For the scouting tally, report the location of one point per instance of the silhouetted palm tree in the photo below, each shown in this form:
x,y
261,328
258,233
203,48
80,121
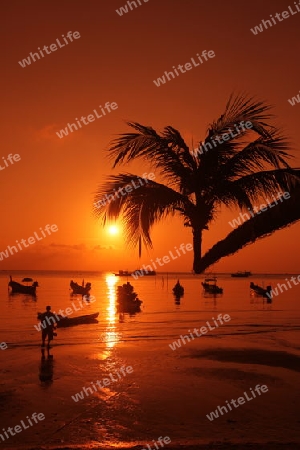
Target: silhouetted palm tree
x,y
278,216
195,182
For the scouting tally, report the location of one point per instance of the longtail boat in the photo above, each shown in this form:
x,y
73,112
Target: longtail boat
x,y
210,286
122,273
18,288
81,290
241,274
178,290
63,322
127,299
260,290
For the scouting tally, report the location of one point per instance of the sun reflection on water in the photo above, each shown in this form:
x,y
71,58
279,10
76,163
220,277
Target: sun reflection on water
x,y
112,336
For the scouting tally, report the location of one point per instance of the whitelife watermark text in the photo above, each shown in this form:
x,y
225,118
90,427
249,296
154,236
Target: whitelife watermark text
x,y
11,158
286,286
31,240
292,101
160,441
241,401
18,428
101,384
64,313
214,142
203,330
52,47
183,68
124,9
109,106
165,260
259,209
265,24
128,188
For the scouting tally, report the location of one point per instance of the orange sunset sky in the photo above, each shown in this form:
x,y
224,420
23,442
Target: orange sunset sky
x,y
116,59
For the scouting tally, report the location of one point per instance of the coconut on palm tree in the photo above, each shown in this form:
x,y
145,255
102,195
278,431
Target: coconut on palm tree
x,y
236,169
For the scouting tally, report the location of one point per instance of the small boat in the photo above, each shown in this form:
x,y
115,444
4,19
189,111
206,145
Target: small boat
x,y
127,299
241,274
81,290
18,288
123,273
79,320
63,322
210,286
260,290
178,290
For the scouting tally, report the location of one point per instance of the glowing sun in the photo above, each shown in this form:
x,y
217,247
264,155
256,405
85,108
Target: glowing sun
x,y
113,230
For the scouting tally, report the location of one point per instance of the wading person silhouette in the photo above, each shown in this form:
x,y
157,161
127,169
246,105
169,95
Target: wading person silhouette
x,y
48,321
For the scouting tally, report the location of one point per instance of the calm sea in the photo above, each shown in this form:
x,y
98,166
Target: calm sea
x,y
161,316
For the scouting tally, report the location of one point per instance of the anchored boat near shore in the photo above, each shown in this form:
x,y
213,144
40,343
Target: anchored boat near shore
x,y
210,286
123,273
260,290
18,288
139,272
127,299
63,322
178,290
241,274
81,290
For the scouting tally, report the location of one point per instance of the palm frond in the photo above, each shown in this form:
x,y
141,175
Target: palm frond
x,y
270,150
141,208
168,154
129,146
236,172
266,183
242,108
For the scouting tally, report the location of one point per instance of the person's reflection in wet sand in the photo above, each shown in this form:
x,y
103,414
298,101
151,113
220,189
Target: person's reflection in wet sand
x,y
46,368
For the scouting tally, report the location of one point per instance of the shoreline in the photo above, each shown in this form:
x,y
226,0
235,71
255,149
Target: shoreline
x,y
131,412
205,446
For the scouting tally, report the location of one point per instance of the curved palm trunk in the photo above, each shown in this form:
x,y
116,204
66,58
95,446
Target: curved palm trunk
x,y
197,245
279,216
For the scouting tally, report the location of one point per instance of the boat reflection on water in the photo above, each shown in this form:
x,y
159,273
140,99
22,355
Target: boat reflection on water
x,y
114,317
211,292
177,301
209,295
210,301
178,292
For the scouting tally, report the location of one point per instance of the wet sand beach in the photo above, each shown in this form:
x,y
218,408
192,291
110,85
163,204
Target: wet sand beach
x,y
169,392
158,246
